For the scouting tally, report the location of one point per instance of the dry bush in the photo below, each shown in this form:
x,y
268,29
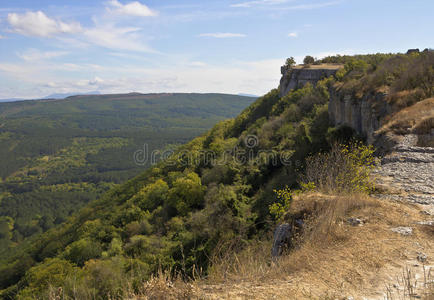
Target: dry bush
x,y
345,169
424,126
405,98
252,263
418,118
164,286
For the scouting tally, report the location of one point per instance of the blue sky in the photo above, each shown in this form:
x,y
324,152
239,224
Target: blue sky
x,y
228,46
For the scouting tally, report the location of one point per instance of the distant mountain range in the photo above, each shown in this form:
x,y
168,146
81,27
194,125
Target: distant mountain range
x,y
66,95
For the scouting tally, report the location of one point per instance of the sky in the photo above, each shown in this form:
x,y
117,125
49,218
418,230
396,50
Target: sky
x,y
225,46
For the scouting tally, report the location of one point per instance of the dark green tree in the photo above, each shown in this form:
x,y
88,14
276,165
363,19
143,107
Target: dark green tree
x,y
308,60
290,61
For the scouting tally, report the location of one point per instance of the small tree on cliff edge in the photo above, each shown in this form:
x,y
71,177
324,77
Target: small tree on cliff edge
x,y
290,62
308,60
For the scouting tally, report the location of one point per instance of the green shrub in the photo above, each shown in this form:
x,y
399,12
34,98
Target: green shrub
x,y
283,203
52,272
82,250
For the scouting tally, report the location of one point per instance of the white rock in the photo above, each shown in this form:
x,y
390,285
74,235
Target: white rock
x,y
403,230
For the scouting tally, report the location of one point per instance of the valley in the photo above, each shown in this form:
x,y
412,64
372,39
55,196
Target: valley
x,y
58,155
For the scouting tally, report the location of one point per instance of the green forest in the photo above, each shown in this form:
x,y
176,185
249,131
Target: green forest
x,y
58,155
187,209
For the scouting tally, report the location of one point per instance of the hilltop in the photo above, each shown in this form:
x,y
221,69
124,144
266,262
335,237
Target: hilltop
x,y
209,211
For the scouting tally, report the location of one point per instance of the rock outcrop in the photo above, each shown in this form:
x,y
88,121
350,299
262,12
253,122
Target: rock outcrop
x,y
298,76
281,240
408,173
363,115
366,114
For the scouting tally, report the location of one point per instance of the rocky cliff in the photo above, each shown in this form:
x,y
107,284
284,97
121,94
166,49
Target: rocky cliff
x,y
298,76
364,115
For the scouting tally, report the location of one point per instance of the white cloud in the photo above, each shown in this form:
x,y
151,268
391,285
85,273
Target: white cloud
x,y
222,35
109,35
34,55
258,2
37,80
131,9
293,34
38,24
112,37
311,5
2,37
96,81
198,64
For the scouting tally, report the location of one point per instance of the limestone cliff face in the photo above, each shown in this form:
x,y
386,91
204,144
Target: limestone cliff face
x,y
297,77
363,115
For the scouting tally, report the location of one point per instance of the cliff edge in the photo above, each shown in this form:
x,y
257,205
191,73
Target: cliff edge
x,y
297,76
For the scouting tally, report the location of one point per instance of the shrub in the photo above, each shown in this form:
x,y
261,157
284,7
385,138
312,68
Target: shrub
x,y
290,61
345,169
284,199
308,60
53,271
82,250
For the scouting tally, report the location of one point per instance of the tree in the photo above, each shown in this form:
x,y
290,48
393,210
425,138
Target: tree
x,y
308,60
290,62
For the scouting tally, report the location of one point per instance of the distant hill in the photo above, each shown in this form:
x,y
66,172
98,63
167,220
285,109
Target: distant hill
x,y
57,155
248,95
11,100
64,95
52,96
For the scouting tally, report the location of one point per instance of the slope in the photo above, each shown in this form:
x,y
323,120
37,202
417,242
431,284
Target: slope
x,y
57,155
214,195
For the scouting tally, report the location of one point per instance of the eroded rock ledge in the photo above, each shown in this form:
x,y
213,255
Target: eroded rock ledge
x,y
298,76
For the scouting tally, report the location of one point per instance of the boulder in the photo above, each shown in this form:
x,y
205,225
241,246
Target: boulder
x,y
281,240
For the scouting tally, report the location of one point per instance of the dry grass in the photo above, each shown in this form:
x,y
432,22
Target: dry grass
x,y
320,66
162,286
418,118
332,258
404,98
409,287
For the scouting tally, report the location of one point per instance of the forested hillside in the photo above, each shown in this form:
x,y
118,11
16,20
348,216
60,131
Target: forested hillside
x,y
57,155
215,193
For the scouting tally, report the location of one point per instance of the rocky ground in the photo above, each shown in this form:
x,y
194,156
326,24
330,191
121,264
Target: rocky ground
x,y
407,174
